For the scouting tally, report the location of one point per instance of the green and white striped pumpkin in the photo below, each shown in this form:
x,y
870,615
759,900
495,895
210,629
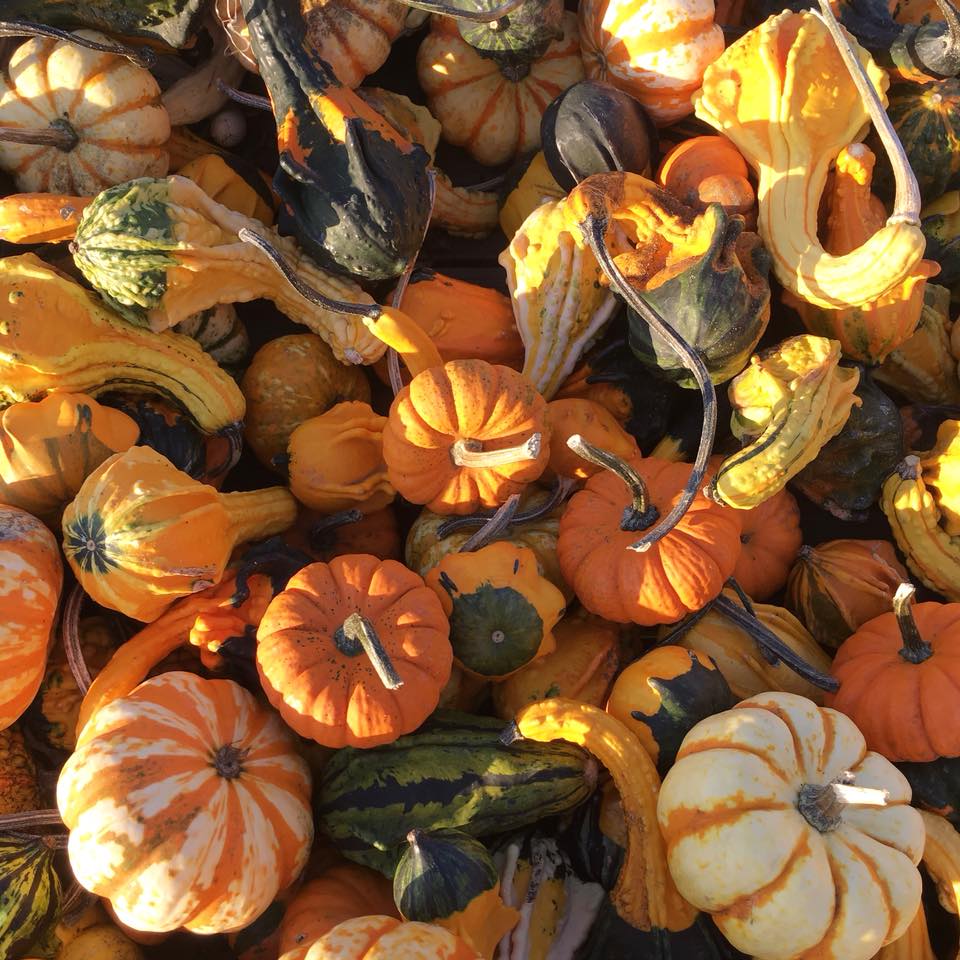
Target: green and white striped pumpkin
x,y
29,896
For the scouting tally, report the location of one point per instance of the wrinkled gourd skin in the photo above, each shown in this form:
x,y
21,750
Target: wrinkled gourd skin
x,y
787,404
941,473
783,95
354,192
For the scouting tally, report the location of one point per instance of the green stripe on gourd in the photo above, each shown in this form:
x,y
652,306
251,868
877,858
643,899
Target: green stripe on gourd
x,y
29,895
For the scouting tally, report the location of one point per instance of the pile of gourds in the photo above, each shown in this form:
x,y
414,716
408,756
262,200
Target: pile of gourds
x,y
606,608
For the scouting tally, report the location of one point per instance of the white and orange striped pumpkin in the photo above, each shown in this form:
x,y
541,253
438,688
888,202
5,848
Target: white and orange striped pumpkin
x,y
655,50
31,575
109,106
187,804
493,111
380,938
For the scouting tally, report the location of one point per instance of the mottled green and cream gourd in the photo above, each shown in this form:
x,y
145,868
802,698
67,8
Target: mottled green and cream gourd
x,y
29,896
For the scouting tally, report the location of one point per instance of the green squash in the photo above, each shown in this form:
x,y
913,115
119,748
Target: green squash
x,y
453,772
441,873
717,299
29,897
519,37
936,786
353,192
595,128
846,477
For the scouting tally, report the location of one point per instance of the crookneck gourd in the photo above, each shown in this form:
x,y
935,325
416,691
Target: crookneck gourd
x,y
787,404
791,94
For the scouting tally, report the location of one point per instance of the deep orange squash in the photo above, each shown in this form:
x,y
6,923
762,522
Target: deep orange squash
x,y
770,537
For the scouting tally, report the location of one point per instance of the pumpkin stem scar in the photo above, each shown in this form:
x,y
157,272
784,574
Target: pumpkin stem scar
x,y
59,134
143,56
357,635
228,761
822,805
470,453
915,649
495,527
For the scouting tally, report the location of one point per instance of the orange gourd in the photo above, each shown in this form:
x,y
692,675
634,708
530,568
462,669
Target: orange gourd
x,y
376,937
595,424
40,217
770,537
354,652
705,170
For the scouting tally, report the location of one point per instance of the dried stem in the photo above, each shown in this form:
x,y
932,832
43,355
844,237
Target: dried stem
x,y
143,57
915,649
495,527
470,453
70,635
358,635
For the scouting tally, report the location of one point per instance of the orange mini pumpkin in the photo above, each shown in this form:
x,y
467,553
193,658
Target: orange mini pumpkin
x,y
465,435
354,652
899,675
597,424
677,575
377,938
770,538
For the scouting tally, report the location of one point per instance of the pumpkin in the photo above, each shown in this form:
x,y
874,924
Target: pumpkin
x,y
48,448
75,120
221,333
31,576
602,523
595,128
585,661
221,182
657,52
40,217
502,611
341,892
787,404
742,656
516,37
837,586
348,531
248,796
590,421
936,786
663,695
336,460
101,940
30,893
770,537
93,350
535,186
354,652
493,110
141,533
868,333
463,435
447,878
846,476
893,660
366,938
19,790
840,842
289,380
705,170
784,89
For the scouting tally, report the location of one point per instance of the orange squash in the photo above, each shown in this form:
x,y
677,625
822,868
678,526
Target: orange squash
x,y
40,217
592,422
770,537
375,937
705,170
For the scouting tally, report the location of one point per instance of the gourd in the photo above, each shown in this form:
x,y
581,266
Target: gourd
x,y
663,695
40,217
343,891
236,757
31,576
101,940
463,435
349,531
657,52
75,120
870,332
770,538
47,449
502,611
940,224
354,652
30,893
840,842
585,661
837,586
95,350
598,537
848,472
940,473
903,661
590,421
354,192
367,801
336,460
535,186
364,938
705,170
141,533
787,404
783,89
224,184
936,786
493,110
221,334
518,37
289,380
19,790
447,878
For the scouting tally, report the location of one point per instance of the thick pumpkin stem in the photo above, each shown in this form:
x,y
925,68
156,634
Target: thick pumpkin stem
x,y
470,453
915,649
70,635
59,134
495,526
822,805
257,514
641,513
143,57
357,636
906,204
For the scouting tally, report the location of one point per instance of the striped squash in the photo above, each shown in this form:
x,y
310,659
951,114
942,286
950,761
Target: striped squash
x,y
187,806
453,773
655,50
220,332
29,894
31,575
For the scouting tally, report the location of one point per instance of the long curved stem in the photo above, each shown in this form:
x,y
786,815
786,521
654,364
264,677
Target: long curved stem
x,y
915,649
143,57
470,453
474,16
70,635
906,204
595,231
494,527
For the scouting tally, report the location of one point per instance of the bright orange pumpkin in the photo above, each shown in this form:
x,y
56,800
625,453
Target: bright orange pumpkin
x,y
770,537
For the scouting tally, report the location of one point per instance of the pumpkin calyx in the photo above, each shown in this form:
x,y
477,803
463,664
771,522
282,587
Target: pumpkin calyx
x,y
228,761
640,514
355,636
470,453
822,805
915,649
